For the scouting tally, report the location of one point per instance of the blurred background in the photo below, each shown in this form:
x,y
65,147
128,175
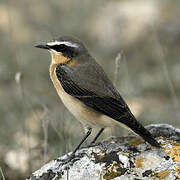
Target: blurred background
x,y
137,43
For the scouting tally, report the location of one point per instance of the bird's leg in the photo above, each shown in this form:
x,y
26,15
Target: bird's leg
x,y
85,137
98,134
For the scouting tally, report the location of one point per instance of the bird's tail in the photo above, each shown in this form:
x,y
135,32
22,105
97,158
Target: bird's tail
x,y
133,124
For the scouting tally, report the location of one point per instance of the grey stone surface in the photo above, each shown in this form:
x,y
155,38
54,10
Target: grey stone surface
x,y
120,159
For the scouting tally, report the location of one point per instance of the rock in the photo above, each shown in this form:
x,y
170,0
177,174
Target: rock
x,y
124,158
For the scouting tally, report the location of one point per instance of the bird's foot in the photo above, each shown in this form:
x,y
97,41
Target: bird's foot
x,y
72,158
68,159
92,144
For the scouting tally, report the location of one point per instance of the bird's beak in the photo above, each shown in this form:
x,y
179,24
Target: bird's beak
x,y
43,46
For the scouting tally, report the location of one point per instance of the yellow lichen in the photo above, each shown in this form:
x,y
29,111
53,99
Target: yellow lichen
x,y
162,174
112,172
101,156
178,172
135,141
139,161
174,152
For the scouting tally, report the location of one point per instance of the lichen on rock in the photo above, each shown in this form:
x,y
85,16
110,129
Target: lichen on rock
x,y
121,159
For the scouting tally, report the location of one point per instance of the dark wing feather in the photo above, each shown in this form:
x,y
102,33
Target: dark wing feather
x,y
108,105
114,107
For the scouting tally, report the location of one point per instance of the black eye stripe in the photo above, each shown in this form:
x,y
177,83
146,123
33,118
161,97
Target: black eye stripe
x,y
62,46
59,48
67,51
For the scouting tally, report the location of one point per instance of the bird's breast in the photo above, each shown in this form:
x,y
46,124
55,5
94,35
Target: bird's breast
x,y
84,114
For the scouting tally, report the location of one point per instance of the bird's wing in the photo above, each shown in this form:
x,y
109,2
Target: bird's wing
x,y
106,101
101,99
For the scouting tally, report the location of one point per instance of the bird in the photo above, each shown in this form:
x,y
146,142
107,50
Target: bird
x,y
87,92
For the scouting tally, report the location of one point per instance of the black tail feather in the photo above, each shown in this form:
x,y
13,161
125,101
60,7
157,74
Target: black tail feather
x,y
133,124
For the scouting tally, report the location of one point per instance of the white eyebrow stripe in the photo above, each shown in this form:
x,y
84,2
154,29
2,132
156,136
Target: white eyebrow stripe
x,y
62,42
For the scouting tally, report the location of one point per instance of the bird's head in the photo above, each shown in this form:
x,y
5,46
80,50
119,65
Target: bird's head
x,y
64,50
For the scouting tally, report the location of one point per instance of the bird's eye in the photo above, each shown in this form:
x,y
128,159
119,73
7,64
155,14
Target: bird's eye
x,y
62,46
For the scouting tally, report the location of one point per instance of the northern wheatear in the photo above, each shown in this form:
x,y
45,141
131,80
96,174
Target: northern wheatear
x,y
87,92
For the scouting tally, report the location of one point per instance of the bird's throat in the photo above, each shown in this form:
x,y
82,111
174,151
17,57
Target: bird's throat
x,y
58,58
